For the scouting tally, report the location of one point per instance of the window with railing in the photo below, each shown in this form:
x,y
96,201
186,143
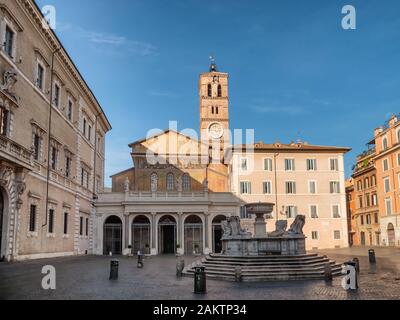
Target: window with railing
x,y
4,121
9,42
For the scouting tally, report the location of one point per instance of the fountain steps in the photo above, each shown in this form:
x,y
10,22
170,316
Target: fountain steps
x,y
267,268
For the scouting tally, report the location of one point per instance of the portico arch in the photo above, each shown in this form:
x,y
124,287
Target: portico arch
x,y
112,236
141,229
167,234
193,234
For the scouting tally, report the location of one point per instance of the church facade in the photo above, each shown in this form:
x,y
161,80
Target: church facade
x,y
179,189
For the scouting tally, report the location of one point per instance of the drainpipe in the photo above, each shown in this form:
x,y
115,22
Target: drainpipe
x,y
49,136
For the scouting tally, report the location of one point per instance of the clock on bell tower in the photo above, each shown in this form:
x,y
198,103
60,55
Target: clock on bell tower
x,y
214,107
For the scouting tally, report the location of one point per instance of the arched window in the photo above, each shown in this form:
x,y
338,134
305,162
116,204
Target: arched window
x,y
384,143
216,110
398,135
154,182
212,110
186,182
219,91
209,90
170,182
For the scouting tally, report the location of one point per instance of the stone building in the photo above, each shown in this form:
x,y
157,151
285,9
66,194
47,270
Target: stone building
x,y
181,188
298,178
387,164
51,141
366,215
351,209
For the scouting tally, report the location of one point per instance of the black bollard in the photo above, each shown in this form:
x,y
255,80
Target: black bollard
x,y
200,282
328,272
114,269
371,255
357,262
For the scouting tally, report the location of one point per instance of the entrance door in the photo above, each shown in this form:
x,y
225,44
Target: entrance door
x,y
391,235
167,239
167,235
217,233
362,238
193,235
1,223
112,236
141,235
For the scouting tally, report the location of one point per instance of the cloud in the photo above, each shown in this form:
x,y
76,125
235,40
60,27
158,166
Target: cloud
x,y
288,110
109,42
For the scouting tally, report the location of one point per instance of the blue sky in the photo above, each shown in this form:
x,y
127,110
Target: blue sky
x,y
294,72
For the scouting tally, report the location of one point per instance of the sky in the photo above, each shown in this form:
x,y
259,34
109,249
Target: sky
x,y
295,73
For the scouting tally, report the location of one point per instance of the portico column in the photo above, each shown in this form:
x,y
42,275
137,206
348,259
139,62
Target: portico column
x,y
126,215
206,248
153,233
181,250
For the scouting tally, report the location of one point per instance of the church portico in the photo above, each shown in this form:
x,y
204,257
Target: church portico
x,y
161,224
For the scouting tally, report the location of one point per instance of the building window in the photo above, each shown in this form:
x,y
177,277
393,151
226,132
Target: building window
x,y
9,42
170,182
245,187
85,178
219,91
56,100
268,164
388,205
398,159
289,165
209,90
244,214
385,164
314,235
81,226
334,187
311,164
267,187
314,211
359,185
376,217
334,164
367,200
360,202
336,235
65,222
290,187
69,111
89,133
51,221
312,186
154,182
54,155
374,199
32,219
291,212
384,143
87,227
366,183
243,164
362,220
369,219
216,110
3,121
68,162
186,182
36,147
84,127
398,135
373,180
386,182
336,211
40,76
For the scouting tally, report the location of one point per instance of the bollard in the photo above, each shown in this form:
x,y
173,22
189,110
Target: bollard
x,y
140,260
328,272
180,265
200,282
238,274
357,262
371,255
114,269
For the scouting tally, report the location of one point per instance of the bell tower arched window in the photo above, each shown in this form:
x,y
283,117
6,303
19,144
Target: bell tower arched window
x,y
209,90
219,91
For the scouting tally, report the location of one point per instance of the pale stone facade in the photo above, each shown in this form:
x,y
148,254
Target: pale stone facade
x,y
50,160
299,179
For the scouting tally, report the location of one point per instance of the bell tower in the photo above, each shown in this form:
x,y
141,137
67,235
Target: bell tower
x,y
214,107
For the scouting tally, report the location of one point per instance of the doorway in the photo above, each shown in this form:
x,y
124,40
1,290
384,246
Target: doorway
x,y
1,224
141,235
217,233
391,235
112,236
363,238
193,235
167,235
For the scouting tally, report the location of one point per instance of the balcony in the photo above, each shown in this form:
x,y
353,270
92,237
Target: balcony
x,y
13,152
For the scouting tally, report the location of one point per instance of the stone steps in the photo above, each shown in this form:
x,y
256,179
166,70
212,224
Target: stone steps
x,y
268,268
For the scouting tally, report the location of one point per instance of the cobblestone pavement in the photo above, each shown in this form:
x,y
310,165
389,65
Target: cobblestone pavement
x,y
87,278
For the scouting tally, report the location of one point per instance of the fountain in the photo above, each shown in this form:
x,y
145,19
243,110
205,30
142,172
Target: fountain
x,y
236,242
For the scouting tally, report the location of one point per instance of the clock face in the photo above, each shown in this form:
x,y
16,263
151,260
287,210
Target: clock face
x,y
216,131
